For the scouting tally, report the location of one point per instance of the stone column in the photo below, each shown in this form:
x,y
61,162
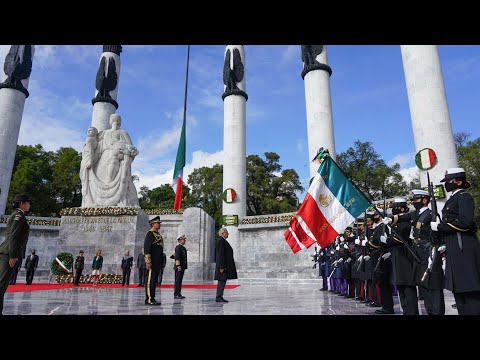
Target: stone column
x,y
429,109
316,75
13,92
106,84
234,139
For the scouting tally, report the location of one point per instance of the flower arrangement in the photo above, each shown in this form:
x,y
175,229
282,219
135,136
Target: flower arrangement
x,y
100,211
88,279
66,259
267,219
52,222
163,211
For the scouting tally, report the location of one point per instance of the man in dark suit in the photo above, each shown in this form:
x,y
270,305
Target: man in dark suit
x,y
225,264
153,249
16,268
127,263
142,274
30,266
180,266
16,237
78,266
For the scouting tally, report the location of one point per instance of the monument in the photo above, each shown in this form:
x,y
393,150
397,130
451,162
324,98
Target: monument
x,y
316,75
13,93
427,99
234,140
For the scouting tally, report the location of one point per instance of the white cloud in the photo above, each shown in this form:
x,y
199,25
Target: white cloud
x,y
199,159
45,56
403,159
48,119
409,173
300,145
290,53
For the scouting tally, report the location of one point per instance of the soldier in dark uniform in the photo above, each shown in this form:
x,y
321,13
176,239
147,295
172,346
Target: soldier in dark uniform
x,y
402,259
16,268
324,267
358,264
153,250
458,231
16,237
350,259
180,266
382,271
78,265
371,259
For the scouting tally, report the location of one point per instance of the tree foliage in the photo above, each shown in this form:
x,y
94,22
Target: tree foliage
x,y
370,173
161,197
268,191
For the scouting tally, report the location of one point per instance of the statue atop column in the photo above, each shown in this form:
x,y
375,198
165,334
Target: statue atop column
x,y
106,165
18,67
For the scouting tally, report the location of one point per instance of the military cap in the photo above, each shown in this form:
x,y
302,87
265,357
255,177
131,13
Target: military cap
x,y
182,237
454,173
420,194
156,219
370,216
349,229
21,198
399,200
81,251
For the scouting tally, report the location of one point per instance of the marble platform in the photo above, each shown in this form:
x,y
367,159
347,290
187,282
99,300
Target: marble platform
x,y
250,298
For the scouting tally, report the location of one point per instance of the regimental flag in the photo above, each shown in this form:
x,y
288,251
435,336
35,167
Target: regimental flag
x,y
178,171
332,203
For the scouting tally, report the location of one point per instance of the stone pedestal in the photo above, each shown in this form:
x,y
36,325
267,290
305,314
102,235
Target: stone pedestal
x,y
112,234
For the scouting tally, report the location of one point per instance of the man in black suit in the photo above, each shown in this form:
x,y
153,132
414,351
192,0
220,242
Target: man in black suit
x,y
225,264
180,266
31,265
142,274
127,263
78,265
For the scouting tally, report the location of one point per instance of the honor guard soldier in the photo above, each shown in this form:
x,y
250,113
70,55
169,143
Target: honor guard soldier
x,y
432,285
402,259
458,231
153,250
16,237
180,266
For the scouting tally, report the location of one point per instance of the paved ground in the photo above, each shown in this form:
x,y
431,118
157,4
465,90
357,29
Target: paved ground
x,y
250,298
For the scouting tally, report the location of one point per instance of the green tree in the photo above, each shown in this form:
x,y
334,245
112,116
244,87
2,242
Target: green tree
x,y
269,192
206,191
469,159
66,178
370,173
161,197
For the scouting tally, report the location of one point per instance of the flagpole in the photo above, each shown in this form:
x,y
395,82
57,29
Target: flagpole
x,y
186,86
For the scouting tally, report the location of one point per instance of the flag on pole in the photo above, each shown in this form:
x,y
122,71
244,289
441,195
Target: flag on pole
x,y
332,203
180,161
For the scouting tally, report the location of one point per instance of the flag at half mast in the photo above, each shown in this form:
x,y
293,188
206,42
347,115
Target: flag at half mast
x,y
180,161
332,203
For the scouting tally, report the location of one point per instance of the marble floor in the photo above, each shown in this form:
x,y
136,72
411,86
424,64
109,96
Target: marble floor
x,y
250,298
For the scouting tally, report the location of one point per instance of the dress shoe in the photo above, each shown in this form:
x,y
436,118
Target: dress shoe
x,y
179,297
323,289
221,299
383,311
152,303
454,306
139,285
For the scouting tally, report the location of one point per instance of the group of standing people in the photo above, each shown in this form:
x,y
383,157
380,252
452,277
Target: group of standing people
x,y
411,250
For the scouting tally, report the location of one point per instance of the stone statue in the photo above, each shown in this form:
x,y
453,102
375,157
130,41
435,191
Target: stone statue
x,y
106,167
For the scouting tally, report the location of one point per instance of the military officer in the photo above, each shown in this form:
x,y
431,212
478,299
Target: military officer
x,y
458,230
153,250
180,266
16,237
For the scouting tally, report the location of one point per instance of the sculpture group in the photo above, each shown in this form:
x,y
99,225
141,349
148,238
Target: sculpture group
x,y
105,170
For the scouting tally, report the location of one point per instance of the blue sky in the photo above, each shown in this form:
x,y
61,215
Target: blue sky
x,y
369,101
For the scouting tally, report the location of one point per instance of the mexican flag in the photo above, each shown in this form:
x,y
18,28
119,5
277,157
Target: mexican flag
x,y
332,203
426,159
178,171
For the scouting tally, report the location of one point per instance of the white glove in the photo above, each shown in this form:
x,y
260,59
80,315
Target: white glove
x,y
387,221
434,225
340,260
360,258
430,262
321,253
337,248
357,241
334,263
332,252
342,238
443,264
442,249
383,239
367,257
345,246
386,255
364,242
348,260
